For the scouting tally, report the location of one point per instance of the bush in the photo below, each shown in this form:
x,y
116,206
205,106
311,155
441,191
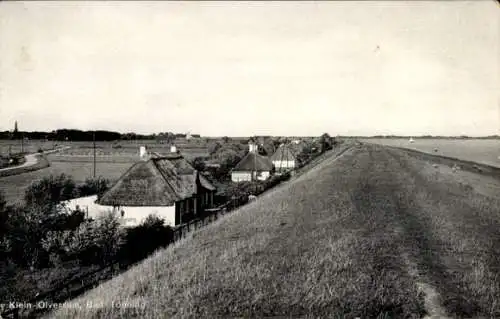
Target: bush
x,y
199,164
26,227
49,191
144,239
57,244
93,242
93,186
237,194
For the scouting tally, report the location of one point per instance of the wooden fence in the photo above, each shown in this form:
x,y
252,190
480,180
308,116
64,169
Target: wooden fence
x,y
210,216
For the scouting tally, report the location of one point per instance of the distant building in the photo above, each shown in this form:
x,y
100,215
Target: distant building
x,y
167,186
253,166
284,159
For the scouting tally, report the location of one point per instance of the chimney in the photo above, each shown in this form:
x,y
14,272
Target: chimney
x,y
173,149
252,147
143,153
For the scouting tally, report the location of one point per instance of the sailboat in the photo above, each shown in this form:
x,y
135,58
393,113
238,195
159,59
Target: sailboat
x,y
412,140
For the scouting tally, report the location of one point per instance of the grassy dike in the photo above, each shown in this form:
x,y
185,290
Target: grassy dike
x,y
374,233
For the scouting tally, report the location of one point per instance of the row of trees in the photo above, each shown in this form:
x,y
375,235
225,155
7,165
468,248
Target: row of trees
x,y
100,135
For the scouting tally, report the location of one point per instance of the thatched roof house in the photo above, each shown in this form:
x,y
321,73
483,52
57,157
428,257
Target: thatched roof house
x,y
168,185
284,158
254,162
283,153
160,181
252,166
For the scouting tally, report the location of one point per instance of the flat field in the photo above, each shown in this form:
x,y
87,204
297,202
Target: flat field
x,y
30,146
14,186
375,233
485,151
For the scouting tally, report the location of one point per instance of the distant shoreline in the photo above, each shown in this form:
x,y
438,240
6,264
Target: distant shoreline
x,y
388,137
427,137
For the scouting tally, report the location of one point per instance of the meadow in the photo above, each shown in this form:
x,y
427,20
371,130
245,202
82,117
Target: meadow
x,y
484,151
375,233
28,146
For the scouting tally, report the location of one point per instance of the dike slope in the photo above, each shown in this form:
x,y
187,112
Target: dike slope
x,y
373,233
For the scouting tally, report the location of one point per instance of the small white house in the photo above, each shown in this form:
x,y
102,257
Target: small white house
x,y
252,167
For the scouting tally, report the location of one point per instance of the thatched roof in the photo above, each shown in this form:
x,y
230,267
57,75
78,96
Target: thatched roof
x,y
283,153
159,181
254,162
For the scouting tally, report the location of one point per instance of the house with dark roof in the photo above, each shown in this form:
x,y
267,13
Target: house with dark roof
x,y
252,166
167,186
284,159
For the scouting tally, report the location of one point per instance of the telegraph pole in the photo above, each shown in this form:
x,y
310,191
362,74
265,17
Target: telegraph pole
x,y
93,139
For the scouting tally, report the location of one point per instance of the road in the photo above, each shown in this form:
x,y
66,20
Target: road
x,y
32,159
373,231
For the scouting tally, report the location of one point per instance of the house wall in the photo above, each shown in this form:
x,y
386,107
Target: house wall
x,y
133,216
262,176
284,164
247,176
86,204
241,176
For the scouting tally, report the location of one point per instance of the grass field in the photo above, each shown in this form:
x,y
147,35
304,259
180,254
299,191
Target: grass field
x,y
13,186
15,146
375,233
485,151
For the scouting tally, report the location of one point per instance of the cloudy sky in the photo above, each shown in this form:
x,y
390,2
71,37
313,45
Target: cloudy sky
x,y
245,68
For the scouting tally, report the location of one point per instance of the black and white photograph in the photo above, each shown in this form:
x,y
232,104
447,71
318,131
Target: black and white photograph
x,y
250,159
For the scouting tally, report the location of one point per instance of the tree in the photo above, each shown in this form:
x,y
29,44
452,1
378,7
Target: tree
x,y
199,164
325,142
93,186
48,192
213,147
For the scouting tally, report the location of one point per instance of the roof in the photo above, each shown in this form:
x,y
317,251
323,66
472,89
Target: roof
x,y
283,153
159,181
254,162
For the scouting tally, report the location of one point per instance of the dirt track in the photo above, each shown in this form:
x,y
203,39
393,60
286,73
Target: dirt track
x,y
31,160
376,231
442,226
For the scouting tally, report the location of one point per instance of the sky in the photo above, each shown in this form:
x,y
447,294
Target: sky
x,y
252,68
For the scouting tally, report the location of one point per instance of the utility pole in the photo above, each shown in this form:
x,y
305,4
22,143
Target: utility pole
x,y
93,138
